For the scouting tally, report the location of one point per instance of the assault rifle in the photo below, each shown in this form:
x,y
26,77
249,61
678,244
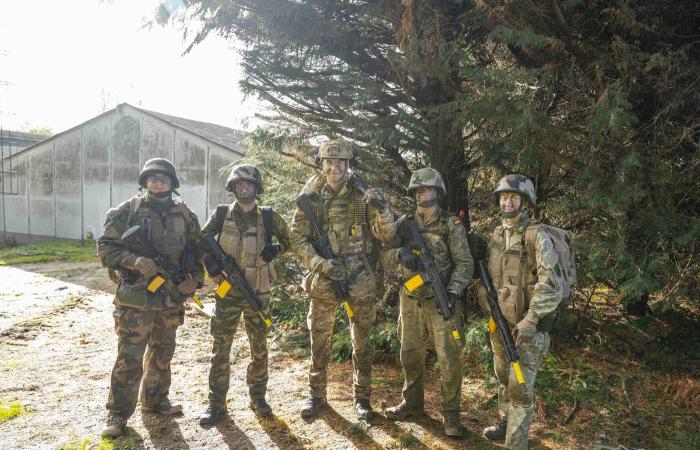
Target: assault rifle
x,y
498,323
323,247
431,274
234,277
137,237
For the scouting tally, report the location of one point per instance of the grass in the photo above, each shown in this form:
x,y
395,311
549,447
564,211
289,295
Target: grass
x,y
128,441
69,251
9,410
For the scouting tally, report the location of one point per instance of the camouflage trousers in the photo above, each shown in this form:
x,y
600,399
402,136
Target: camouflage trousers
x,y
516,403
151,332
421,322
223,329
320,321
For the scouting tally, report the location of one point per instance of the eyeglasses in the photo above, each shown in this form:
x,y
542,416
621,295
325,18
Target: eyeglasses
x,y
158,178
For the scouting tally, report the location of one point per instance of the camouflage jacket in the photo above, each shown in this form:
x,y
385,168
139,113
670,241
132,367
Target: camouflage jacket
x,y
446,239
171,233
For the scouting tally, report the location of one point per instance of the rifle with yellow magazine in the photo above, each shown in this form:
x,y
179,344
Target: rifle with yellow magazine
x,y
136,238
219,263
430,274
497,323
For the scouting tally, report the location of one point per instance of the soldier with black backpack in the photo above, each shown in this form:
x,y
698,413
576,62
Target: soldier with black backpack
x,y
245,232
531,266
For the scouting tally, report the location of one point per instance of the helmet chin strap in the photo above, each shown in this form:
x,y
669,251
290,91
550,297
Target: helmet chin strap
x,y
428,203
160,195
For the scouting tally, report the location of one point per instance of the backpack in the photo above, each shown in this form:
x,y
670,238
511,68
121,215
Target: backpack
x,y
564,248
268,223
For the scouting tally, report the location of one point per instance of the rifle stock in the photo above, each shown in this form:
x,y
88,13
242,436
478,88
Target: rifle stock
x,y
497,323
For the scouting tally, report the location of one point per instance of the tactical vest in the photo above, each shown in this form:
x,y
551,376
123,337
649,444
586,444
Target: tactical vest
x,y
513,270
168,231
245,247
436,237
345,220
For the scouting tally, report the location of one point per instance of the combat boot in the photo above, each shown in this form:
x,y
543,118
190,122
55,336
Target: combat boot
x,y
312,406
164,408
212,415
496,432
114,426
402,411
260,407
364,410
453,427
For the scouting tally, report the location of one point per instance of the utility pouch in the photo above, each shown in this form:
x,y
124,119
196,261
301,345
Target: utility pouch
x,y
512,303
132,295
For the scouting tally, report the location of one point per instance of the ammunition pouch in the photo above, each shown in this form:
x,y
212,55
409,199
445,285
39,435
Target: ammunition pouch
x,y
132,294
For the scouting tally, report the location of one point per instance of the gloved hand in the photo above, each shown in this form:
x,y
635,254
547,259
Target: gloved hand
x,y
218,279
332,269
523,330
146,267
376,198
269,252
454,300
409,259
188,286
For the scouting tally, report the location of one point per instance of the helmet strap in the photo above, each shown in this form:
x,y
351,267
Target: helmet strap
x,y
246,199
160,195
427,203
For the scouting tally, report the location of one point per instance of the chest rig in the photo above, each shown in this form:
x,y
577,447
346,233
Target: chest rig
x,y
513,268
167,229
436,238
245,246
344,217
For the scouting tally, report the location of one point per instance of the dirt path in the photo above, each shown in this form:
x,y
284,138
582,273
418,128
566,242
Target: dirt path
x,y
57,348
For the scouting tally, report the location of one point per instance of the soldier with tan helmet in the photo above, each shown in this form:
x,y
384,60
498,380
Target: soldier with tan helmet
x,y
524,268
355,219
419,318
245,232
146,318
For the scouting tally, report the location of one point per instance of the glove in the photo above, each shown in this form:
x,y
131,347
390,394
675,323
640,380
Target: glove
x,y
375,198
454,300
269,252
146,267
409,259
524,330
332,269
218,279
188,286
212,265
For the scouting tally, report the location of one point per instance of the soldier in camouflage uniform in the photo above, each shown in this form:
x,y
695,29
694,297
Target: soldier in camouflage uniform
x,y
354,228
524,268
245,236
419,318
145,321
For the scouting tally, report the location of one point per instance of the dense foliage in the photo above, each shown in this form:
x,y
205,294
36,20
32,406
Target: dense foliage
x,y
596,101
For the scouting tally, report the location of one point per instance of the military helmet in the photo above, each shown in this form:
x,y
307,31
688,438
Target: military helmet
x,y
426,177
159,165
336,149
516,183
245,172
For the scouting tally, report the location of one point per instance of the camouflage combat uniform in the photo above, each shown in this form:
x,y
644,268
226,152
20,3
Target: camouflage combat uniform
x,y
243,237
146,322
420,319
532,289
355,246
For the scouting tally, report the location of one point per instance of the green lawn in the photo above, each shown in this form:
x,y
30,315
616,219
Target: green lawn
x,y
49,251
